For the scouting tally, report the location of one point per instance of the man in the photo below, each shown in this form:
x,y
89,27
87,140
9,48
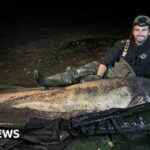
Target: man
x,y
128,57
138,53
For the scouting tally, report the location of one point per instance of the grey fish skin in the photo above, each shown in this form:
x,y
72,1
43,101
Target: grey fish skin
x,y
77,99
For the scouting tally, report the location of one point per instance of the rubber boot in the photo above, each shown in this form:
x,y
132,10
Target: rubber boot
x,y
57,80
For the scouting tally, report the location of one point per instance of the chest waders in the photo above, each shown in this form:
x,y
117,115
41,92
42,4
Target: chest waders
x,y
121,69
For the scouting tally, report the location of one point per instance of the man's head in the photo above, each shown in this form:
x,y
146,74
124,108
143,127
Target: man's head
x,y
141,29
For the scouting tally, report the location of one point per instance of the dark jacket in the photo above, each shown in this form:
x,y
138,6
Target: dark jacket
x,y
137,56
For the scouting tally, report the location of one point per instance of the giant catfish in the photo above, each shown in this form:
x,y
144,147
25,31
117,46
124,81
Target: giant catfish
x,y
76,99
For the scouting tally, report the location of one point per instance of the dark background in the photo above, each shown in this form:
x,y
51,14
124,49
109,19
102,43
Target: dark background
x,y
65,13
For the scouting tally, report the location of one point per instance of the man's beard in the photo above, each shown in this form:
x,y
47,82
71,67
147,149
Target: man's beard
x,y
140,39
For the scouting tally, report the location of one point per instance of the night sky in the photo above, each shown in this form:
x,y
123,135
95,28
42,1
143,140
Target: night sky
x,y
87,12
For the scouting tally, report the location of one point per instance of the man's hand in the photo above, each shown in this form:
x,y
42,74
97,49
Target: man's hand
x,y
101,70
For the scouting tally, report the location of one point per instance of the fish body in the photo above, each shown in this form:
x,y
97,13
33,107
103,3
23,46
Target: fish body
x,y
93,96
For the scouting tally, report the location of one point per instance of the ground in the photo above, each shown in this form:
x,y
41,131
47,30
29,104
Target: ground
x,y
25,46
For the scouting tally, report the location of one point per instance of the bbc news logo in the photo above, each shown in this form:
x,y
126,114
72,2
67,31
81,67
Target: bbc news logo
x,y
9,134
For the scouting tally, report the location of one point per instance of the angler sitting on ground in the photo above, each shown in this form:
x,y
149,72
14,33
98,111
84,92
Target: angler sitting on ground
x,y
129,57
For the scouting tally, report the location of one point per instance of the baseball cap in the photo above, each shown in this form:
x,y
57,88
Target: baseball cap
x,y
142,20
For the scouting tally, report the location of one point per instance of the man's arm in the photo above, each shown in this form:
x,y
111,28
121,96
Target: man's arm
x,y
110,58
101,70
